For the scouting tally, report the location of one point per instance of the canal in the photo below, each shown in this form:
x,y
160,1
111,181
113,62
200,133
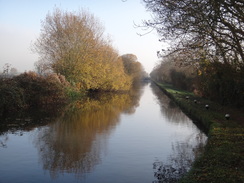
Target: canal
x,y
134,138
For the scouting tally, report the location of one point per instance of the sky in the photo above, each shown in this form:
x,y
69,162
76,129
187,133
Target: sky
x,y
20,25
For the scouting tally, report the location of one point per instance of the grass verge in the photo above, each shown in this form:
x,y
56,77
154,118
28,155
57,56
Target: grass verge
x,y
223,158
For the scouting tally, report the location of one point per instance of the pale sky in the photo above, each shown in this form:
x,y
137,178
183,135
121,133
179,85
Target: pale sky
x,y
20,24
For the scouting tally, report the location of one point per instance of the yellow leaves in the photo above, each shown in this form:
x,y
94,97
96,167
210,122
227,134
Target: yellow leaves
x,y
74,45
199,72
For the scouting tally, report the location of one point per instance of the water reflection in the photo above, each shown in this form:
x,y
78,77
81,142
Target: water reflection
x,y
3,140
168,108
76,142
180,161
72,145
184,151
29,120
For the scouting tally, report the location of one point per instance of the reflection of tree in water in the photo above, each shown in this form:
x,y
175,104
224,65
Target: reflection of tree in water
x,y
183,152
135,95
168,108
74,143
29,119
26,121
179,163
3,140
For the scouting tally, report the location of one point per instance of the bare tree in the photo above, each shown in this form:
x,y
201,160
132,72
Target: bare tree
x,y
213,25
13,71
6,69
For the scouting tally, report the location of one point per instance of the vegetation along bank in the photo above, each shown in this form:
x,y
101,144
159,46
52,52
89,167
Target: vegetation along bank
x,y
205,57
222,160
75,58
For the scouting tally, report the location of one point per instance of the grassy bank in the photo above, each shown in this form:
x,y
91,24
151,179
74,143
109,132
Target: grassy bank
x,y
223,159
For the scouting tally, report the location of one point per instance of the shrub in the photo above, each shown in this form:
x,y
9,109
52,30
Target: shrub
x,y
31,90
11,97
40,90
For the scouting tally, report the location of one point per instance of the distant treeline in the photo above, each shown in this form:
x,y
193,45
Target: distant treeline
x,y
206,51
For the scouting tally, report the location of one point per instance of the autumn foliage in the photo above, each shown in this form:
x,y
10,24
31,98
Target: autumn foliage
x,y
31,90
75,57
74,45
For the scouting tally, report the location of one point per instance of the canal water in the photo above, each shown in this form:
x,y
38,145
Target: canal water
x,y
124,138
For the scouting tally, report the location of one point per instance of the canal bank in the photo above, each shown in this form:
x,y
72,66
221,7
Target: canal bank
x,y
222,160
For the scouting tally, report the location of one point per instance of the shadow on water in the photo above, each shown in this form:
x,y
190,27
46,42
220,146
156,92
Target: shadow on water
x,y
28,120
179,162
77,140
167,107
183,152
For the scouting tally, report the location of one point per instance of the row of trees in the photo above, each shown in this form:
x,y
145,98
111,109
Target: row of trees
x,y
207,35
171,70
74,45
75,57
133,68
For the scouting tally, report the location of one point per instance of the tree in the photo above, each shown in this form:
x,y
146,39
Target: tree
x,y
13,71
133,67
42,67
74,45
172,70
6,69
212,25
213,30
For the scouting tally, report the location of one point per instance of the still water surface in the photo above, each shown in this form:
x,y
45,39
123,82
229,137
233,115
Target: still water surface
x,y
110,138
